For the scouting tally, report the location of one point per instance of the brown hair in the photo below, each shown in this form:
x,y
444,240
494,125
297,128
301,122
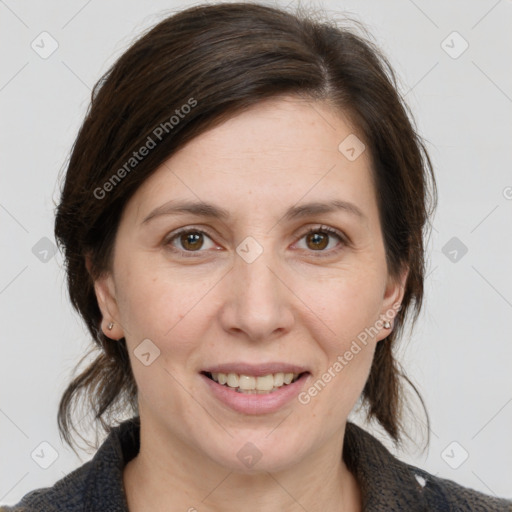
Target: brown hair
x,y
221,59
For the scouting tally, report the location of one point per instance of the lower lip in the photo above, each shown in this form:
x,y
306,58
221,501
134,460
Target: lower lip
x,y
255,403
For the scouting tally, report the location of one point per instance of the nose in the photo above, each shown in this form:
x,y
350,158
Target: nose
x,y
258,303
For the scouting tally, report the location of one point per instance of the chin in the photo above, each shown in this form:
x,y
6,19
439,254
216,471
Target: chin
x,y
244,454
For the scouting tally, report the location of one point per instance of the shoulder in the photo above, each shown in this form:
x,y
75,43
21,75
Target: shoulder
x,y
66,494
446,495
388,483
96,485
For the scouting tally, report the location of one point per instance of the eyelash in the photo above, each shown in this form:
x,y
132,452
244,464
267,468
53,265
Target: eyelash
x,y
318,229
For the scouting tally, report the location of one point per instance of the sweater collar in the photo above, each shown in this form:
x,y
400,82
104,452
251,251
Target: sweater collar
x,y
386,483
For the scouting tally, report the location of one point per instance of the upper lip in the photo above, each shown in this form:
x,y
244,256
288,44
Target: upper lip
x,y
257,370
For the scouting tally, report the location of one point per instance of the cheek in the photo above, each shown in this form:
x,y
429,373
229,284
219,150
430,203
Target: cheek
x,y
346,310
162,305
345,303
171,306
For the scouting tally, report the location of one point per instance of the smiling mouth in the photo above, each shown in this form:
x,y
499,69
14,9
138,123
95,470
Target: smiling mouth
x,y
250,384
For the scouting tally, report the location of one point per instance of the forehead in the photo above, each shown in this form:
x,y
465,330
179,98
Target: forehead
x,y
281,151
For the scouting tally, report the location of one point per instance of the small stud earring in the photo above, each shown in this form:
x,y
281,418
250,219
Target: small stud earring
x,y
110,326
387,325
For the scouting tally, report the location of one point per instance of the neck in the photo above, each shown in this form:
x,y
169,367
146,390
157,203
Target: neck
x,y
156,478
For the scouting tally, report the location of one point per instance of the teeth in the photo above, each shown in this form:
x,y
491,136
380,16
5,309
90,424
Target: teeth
x,y
246,383
265,383
288,377
279,379
250,383
232,381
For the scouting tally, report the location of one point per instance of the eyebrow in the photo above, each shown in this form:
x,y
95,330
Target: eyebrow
x,y
203,209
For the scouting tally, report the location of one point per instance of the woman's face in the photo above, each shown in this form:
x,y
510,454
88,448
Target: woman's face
x,y
252,292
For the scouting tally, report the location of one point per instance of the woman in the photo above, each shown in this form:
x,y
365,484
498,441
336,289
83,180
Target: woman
x,y
242,220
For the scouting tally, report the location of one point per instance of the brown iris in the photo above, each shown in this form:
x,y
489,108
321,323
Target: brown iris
x,y
320,240
191,240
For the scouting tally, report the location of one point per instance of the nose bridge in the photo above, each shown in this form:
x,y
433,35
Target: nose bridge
x,y
260,299
253,265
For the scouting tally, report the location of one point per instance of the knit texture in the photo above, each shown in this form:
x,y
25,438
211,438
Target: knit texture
x,y
387,484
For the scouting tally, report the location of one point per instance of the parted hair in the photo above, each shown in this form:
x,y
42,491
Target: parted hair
x,y
228,57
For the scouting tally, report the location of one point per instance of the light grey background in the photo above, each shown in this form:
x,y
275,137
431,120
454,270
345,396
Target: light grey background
x,y
460,354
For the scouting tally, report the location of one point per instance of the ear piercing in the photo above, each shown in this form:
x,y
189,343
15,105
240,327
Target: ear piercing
x,y
386,325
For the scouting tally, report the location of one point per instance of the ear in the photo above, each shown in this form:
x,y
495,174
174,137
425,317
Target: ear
x,y
393,296
104,288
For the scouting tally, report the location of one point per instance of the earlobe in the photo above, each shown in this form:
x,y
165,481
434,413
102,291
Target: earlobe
x,y
392,302
105,291
107,302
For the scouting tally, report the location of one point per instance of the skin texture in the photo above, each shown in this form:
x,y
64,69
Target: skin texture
x,y
291,305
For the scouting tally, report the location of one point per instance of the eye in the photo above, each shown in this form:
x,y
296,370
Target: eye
x,y
318,238
190,239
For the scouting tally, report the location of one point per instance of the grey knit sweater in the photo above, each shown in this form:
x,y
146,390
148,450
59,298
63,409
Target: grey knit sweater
x,y
387,484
